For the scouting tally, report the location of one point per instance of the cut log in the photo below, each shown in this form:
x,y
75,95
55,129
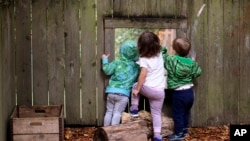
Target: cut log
x,y
132,128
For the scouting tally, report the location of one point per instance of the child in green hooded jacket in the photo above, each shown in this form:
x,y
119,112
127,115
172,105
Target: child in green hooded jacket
x,y
123,73
181,73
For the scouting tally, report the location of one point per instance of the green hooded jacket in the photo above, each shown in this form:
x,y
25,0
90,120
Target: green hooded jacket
x,y
123,71
181,70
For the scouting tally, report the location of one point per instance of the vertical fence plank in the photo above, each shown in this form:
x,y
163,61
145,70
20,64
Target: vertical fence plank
x,y
109,48
55,45
110,42
72,58
121,8
88,61
244,93
23,52
173,8
167,8
2,126
215,64
152,8
117,6
181,7
137,8
198,37
103,8
39,52
7,68
231,60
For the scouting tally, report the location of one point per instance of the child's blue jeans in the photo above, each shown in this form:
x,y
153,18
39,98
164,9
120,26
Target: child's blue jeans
x,y
182,104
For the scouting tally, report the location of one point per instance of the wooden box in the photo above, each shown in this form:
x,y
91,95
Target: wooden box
x,y
37,123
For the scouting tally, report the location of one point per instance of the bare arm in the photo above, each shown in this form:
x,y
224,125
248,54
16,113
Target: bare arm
x,y
141,80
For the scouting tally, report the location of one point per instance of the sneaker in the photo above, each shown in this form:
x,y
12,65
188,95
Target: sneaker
x,y
157,139
134,112
176,137
185,131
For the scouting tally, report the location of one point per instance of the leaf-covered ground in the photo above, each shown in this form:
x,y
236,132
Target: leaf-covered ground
x,y
210,133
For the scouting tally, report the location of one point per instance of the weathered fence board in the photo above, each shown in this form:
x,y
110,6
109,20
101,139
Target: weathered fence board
x,y
109,43
88,66
39,52
197,34
150,23
121,7
137,8
23,47
109,49
2,126
72,61
244,53
202,90
9,63
215,64
103,8
56,52
173,8
231,60
7,68
23,52
152,8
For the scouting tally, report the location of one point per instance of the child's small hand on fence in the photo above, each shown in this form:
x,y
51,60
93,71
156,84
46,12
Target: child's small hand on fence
x,y
105,55
192,55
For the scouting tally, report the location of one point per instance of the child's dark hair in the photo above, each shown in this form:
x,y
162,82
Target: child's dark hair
x,y
148,44
181,46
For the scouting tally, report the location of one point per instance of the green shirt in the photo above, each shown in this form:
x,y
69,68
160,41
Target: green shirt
x,y
181,70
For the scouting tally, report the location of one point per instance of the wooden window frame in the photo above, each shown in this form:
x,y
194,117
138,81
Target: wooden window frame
x,y
110,24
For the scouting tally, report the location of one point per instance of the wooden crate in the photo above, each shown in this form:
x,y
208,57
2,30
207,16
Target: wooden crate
x,y
37,123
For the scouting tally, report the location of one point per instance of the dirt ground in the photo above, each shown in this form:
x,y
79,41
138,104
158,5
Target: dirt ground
x,y
210,133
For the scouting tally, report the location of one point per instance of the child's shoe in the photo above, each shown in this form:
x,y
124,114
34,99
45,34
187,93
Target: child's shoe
x,y
134,112
185,131
176,137
157,139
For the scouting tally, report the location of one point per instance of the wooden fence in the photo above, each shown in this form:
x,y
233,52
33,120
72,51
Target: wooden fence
x,y
51,50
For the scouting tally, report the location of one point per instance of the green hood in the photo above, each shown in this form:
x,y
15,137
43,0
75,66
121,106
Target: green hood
x,y
128,50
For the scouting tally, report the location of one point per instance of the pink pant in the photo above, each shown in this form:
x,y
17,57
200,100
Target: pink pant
x,y
156,99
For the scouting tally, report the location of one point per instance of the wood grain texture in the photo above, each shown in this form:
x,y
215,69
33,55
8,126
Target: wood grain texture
x,y
244,56
23,52
197,33
103,8
40,52
215,64
56,51
72,61
39,123
231,61
88,62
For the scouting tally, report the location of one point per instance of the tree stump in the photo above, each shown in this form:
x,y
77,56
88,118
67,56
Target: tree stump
x,y
133,128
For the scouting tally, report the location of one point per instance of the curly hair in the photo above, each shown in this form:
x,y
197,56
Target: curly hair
x,y
148,44
181,46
